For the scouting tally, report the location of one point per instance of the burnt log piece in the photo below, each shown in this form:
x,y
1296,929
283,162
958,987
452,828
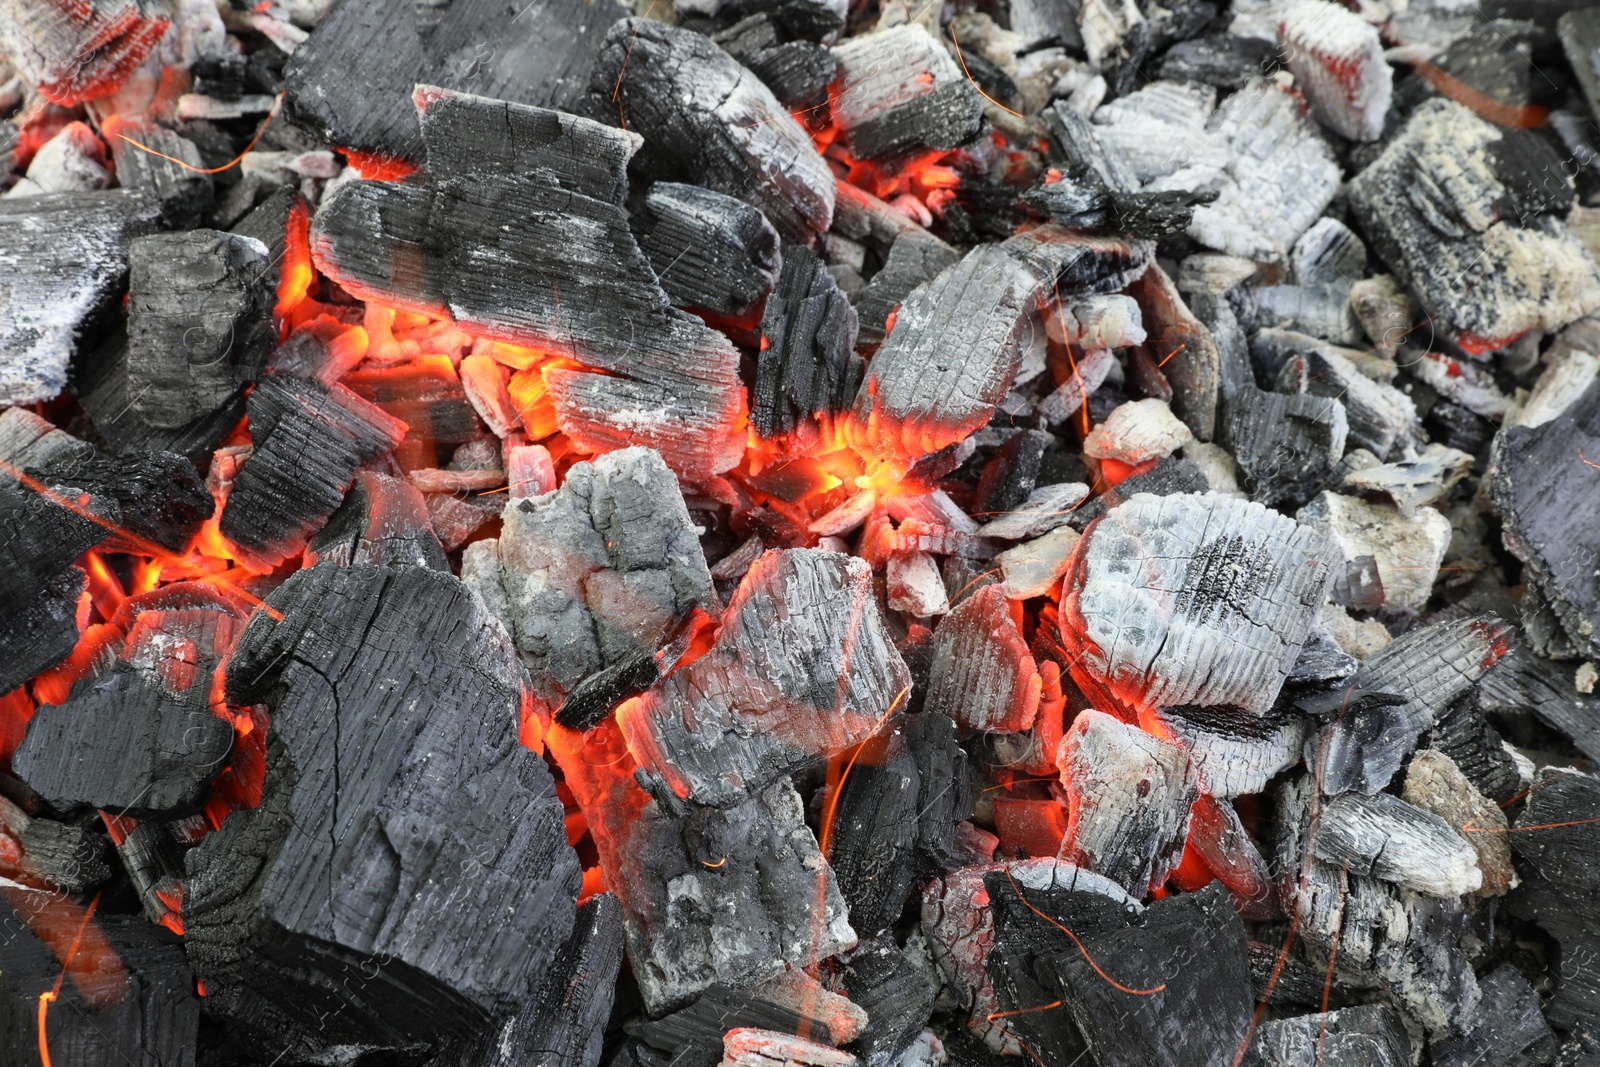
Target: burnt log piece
x,y
31,442
1286,446
518,233
1384,837
896,988
896,816
1510,1027
76,50
1193,599
709,250
199,323
168,169
1366,1035
983,675
595,573
802,667
1237,752
1381,418
1337,61
140,739
101,384
704,118
1534,469
1430,667
1556,841
63,262
1129,795
540,54
1464,736
915,258
40,632
807,371
308,440
1460,211
438,870
160,496
900,91
383,521
130,998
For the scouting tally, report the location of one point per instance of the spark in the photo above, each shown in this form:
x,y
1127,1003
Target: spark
x,y
1587,461
973,80
277,102
1169,355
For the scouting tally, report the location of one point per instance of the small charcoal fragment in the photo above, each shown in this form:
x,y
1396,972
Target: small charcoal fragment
x,y
1510,1027
1384,837
1337,61
1368,1035
898,90
163,165
1286,446
983,676
807,371
710,250
896,988
382,521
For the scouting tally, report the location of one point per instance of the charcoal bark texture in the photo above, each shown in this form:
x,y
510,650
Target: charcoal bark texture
x,y
518,233
1285,446
1367,1035
1384,837
38,633
537,54
308,440
434,886
594,573
704,118
1464,736
199,323
1458,209
168,169
1193,599
1237,752
74,51
896,988
1380,417
1510,1027
807,370
101,384
63,262
803,667
1534,472
896,817
899,91
1557,841
131,997
983,675
709,250
915,258
383,521
1431,667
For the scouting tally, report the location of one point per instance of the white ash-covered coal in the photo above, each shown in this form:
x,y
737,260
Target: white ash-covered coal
x,y
799,533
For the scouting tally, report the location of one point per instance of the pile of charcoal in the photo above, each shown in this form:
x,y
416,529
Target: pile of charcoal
x,y
799,533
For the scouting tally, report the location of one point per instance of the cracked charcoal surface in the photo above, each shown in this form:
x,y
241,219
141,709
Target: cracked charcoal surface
x,y
807,369
899,91
709,250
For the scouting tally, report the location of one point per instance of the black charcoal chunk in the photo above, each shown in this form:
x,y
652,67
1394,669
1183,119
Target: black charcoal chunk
x,y
168,168
537,53
1083,155
1168,477
1367,1035
807,370
40,538
1226,60
1237,752
1463,733
896,988
1010,476
160,496
38,633
915,258
404,830
1285,446
1381,418
199,323
1510,1028
899,90
1523,681
383,521
722,1008
797,72
101,385
709,250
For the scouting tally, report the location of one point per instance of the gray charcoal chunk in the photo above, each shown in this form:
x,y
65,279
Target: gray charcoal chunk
x,y
1237,752
899,90
806,368
1385,837
383,520
183,190
1286,446
37,634
915,258
1367,1035
709,250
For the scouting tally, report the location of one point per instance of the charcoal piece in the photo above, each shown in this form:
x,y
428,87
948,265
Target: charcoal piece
x,y
1195,598
1463,734
308,441
1510,1028
797,72
1434,783
1384,837
1225,60
1010,476
545,260
1168,477
64,258
40,538
1237,752
1523,681
1088,159
896,988
439,867
1187,353
898,91
915,258
705,118
802,668
721,1008
1380,417
101,385
168,169
1047,508
1447,237
807,368
1337,60
591,575
766,1048
1191,950
1556,840
983,676
160,496
1285,445
39,633
1322,661
199,323
152,856
31,442
1405,552
72,52
1128,798
896,816
130,998
709,250
1431,667
1157,214
1080,203
864,218
273,222
541,55
383,521
1367,1035
1286,980
1413,483
1533,467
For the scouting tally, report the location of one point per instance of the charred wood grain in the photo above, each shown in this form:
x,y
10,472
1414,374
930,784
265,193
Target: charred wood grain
x,y
74,51
382,522
806,369
40,632
710,250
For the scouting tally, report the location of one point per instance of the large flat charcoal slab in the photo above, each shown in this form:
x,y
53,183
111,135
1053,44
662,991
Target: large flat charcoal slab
x,y
704,118
1384,837
1367,1035
1523,681
915,258
1193,599
1430,667
1285,446
983,675
308,440
896,988
199,323
710,250
75,51
1534,472
160,495
896,816
1129,795
438,866
1557,841
63,262
807,371
802,667
383,520
518,233
39,633
899,91
1510,1028
1435,206
539,54
1237,752
594,573
131,997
